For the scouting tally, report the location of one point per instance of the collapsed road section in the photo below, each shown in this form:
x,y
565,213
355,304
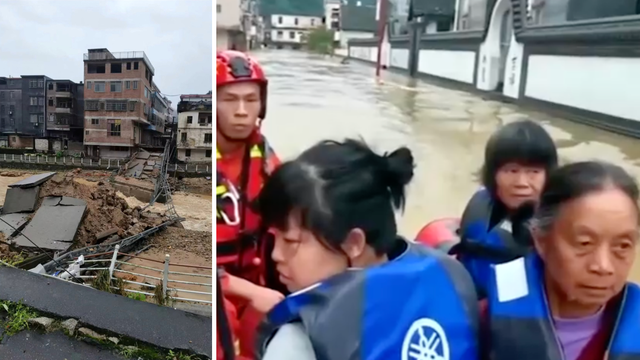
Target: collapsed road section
x,y
80,230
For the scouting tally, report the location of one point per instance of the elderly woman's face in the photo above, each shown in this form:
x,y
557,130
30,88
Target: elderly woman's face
x,y
591,247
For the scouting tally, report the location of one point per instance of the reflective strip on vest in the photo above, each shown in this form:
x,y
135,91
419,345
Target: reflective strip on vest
x,y
521,326
422,301
254,153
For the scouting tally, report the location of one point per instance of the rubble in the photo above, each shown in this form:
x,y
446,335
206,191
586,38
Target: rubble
x,y
143,165
105,209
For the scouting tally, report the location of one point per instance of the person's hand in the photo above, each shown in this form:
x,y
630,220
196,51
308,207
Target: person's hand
x,y
264,299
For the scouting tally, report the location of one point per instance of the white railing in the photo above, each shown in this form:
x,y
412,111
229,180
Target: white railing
x,y
165,276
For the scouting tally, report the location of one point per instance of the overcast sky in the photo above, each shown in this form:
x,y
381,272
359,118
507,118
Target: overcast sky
x,y
43,37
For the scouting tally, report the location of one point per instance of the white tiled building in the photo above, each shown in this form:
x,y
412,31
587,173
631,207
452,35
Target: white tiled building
x,y
288,31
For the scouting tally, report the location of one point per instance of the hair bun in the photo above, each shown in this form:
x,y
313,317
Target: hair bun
x,y
399,166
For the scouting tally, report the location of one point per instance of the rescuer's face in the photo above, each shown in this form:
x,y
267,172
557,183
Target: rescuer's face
x,y
590,249
237,108
517,184
302,259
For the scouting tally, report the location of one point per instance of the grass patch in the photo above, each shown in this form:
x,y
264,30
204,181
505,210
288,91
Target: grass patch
x,y
17,316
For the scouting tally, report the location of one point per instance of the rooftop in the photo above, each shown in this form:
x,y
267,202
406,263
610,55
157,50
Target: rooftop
x,y
105,54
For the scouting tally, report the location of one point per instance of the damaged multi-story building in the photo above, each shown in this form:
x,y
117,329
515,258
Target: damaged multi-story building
x,y
37,112
118,112
195,129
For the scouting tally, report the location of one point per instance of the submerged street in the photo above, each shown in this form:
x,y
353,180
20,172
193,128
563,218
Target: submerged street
x,y
312,98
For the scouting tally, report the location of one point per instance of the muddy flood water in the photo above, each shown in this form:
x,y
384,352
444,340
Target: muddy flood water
x,y
313,98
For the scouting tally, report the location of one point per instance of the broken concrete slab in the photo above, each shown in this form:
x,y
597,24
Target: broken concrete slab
x,y
34,180
52,228
113,314
148,168
143,155
20,200
103,234
62,201
69,326
10,223
44,323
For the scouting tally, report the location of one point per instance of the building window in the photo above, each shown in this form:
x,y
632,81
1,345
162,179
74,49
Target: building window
x,y
41,119
33,100
99,86
50,86
41,101
33,84
279,35
218,8
12,108
89,85
96,68
1,109
40,84
146,92
279,19
10,94
313,22
127,84
50,102
187,153
207,138
292,34
91,105
135,65
116,106
183,137
1,122
33,118
189,119
132,106
114,127
116,86
295,21
135,84
116,68
95,121
207,153
128,66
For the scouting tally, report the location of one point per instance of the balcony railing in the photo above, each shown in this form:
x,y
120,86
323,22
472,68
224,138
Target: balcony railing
x,y
107,55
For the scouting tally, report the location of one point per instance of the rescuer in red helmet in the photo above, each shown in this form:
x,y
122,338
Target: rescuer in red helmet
x,y
243,160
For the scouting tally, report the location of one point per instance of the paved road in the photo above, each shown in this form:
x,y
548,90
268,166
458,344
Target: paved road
x,y
313,98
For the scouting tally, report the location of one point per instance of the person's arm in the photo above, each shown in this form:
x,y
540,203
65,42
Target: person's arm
x,y
291,342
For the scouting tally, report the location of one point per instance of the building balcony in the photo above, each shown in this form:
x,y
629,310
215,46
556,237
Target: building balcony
x,y
60,110
66,94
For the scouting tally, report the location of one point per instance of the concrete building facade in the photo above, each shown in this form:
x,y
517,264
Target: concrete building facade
x,y
118,103
38,107
195,128
290,31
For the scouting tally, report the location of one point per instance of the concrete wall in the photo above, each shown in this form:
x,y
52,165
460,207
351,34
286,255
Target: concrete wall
x,y
228,14
448,64
604,85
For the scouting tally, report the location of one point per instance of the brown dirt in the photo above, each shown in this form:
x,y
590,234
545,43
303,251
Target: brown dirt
x,y
200,186
105,210
199,243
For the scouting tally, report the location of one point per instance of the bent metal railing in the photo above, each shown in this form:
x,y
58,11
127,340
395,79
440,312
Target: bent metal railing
x,y
165,276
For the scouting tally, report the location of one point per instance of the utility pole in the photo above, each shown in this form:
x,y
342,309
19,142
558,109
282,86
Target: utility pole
x,y
382,16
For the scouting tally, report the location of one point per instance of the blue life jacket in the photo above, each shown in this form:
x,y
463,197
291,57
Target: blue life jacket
x,y
475,234
521,326
419,304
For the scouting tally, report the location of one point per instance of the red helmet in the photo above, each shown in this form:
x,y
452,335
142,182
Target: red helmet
x,y
234,67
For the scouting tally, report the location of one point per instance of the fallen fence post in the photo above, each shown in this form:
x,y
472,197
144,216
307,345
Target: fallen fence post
x,y
113,261
165,274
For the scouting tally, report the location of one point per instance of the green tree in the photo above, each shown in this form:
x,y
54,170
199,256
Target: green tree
x,y
320,40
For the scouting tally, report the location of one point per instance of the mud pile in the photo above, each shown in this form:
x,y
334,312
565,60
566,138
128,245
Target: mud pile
x,y
195,242
108,216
